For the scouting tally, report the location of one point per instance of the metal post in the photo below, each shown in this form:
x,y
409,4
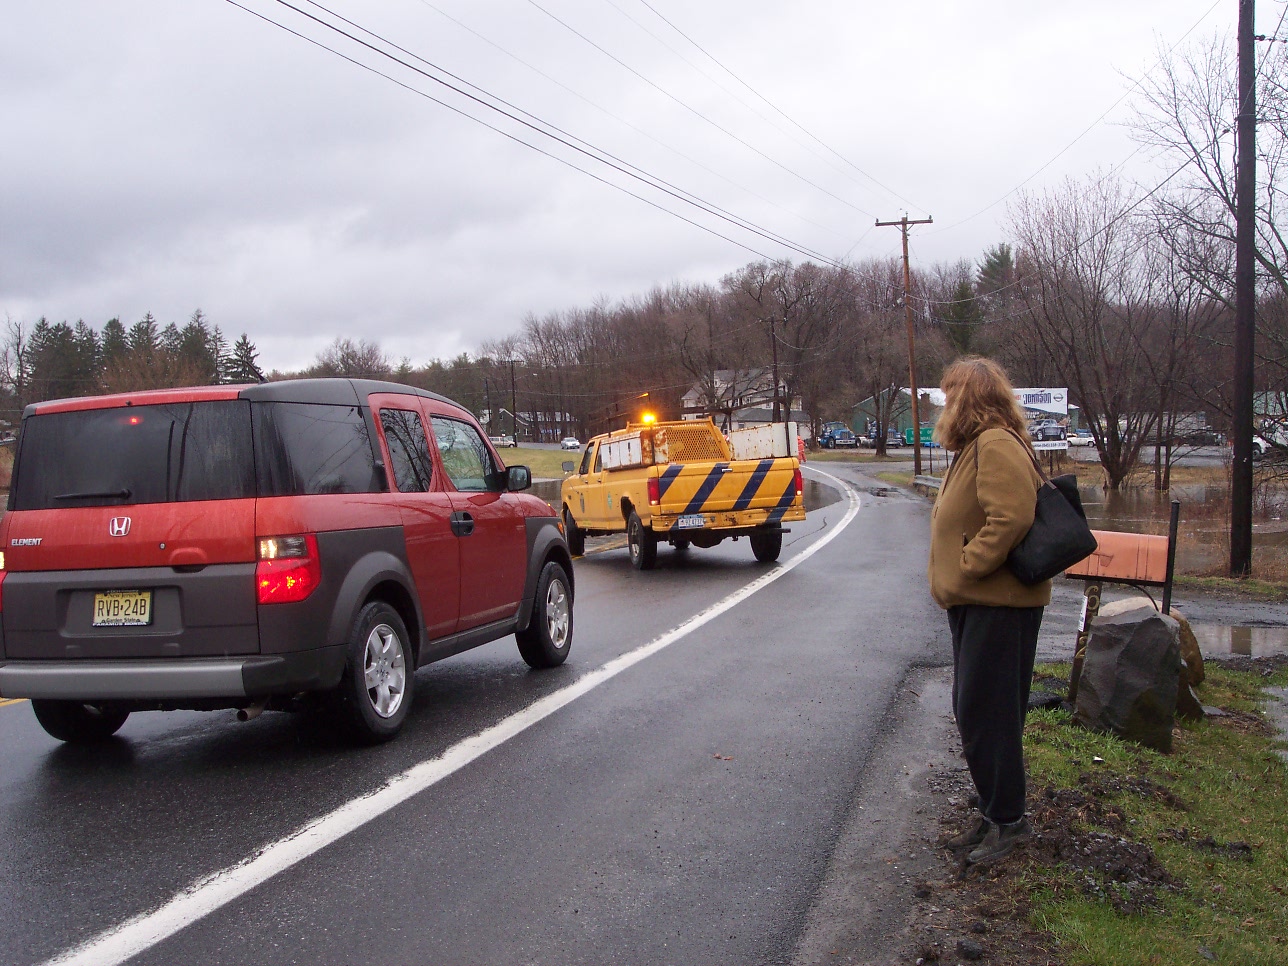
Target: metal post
x,y
514,405
1171,555
1090,608
1244,300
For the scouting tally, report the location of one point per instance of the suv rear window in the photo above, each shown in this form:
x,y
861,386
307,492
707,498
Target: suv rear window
x,y
136,454
308,448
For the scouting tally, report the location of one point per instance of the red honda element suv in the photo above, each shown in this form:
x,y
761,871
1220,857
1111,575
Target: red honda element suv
x,y
271,546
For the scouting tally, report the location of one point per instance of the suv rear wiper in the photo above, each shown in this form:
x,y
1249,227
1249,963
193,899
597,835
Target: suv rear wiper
x,y
118,494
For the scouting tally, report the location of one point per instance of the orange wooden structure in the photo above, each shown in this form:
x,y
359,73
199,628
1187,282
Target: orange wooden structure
x,y
1143,559
1129,558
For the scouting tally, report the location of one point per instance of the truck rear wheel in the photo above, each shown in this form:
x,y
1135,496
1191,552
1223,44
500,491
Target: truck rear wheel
x,y
767,546
78,723
574,534
641,542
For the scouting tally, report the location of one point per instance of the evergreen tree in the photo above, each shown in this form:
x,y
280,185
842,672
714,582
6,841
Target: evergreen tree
x,y
242,365
113,343
961,317
997,273
144,339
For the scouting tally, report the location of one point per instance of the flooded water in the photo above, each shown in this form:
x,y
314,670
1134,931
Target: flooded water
x,y
1204,532
1217,640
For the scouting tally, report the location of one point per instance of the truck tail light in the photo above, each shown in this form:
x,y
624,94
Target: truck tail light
x,y
654,491
289,569
800,483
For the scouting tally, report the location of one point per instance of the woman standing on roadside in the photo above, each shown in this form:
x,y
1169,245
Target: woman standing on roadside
x,y
984,508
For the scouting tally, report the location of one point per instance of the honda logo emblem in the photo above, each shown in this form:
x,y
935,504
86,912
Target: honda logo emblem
x,y
119,526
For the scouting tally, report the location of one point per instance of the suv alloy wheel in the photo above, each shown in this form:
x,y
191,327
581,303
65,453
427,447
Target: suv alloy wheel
x,y
545,641
378,683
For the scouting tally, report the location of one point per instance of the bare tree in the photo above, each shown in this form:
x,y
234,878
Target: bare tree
x,y
1089,298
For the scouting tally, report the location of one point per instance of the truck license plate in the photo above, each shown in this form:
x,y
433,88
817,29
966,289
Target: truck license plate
x,y
123,608
691,521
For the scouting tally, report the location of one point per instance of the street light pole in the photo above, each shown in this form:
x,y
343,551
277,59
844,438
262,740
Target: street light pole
x,y
773,342
903,224
514,405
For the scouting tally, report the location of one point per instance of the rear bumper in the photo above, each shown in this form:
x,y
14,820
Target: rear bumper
x,y
174,679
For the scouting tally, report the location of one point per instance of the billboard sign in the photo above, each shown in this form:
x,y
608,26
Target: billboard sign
x,y
1047,412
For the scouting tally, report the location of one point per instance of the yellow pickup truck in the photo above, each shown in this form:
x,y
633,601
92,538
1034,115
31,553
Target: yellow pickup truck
x,y
684,484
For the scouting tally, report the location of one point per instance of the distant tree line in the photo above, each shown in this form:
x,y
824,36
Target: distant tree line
x,y
52,360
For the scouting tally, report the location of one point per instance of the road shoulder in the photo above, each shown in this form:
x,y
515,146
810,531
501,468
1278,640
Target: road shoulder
x,y
884,851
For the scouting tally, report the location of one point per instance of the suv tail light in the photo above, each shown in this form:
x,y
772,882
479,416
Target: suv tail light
x,y
289,569
800,483
654,491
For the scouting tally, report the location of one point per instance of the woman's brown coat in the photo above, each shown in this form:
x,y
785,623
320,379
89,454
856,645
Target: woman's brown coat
x,y
984,508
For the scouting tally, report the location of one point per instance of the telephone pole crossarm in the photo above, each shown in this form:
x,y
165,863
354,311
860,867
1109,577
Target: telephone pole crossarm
x,y
902,224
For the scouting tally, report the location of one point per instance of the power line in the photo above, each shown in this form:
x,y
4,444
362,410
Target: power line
x,y
621,167
638,130
1087,130
710,56
694,111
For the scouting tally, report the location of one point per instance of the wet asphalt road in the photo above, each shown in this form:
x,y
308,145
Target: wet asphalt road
x,y
683,811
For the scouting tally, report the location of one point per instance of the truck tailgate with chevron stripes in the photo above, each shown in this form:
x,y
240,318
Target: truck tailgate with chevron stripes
x,y
739,493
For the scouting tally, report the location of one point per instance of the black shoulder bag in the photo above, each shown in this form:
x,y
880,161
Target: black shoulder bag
x,y
1059,537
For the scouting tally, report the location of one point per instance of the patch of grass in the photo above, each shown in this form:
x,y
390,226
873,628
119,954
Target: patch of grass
x,y
1235,587
1212,814
898,479
545,464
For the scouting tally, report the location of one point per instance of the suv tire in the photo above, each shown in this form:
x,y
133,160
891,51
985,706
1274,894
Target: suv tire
x,y
641,542
546,640
77,723
767,546
574,534
379,677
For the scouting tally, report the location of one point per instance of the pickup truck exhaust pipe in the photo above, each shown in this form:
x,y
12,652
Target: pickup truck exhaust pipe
x,y
252,711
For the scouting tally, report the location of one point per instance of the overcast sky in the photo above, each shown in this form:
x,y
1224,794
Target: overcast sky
x,y
161,156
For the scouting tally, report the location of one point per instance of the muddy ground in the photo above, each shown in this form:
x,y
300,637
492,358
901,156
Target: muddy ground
x,y
893,895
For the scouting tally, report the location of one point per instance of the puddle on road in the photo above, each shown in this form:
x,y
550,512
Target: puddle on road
x,y
1220,640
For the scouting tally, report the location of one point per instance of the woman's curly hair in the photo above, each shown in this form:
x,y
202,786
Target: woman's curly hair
x,y
977,396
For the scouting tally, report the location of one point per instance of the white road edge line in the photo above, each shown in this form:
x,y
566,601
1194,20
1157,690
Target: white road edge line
x,y
119,943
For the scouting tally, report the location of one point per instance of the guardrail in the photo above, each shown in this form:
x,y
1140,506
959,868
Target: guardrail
x,y
926,485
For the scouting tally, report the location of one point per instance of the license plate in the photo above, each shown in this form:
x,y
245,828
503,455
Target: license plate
x,y
123,608
691,521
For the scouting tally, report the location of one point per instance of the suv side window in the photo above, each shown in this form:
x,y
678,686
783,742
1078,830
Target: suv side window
x,y
408,450
310,448
466,459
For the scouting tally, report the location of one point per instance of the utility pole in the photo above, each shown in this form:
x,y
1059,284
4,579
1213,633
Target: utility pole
x,y
773,342
514,405
902,224
1245,212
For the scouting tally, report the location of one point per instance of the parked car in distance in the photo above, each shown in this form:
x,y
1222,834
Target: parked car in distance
x,y
570,442
503,442
1199,437
1047,429
285,546
1081,437
837,434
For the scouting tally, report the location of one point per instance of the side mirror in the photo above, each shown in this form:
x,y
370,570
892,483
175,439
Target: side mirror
x,y
518,478
568,466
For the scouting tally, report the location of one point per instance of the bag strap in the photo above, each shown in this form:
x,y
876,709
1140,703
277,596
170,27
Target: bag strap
x,y
1028,449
